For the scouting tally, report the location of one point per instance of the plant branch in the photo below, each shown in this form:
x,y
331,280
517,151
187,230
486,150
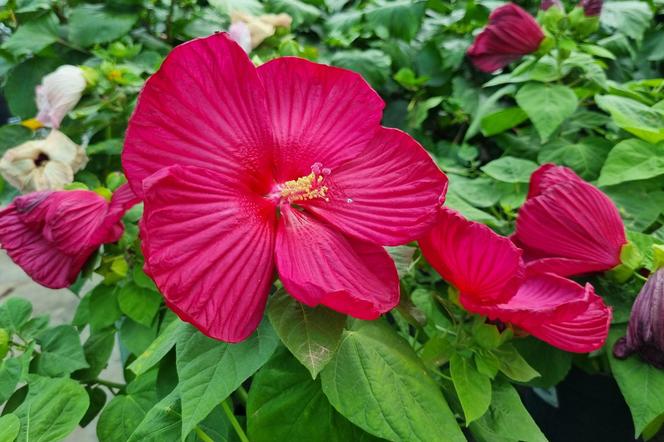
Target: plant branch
x,y
233,420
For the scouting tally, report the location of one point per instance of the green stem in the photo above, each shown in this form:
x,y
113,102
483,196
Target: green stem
x,y
107,383
242,395
202,435
169,21
236,425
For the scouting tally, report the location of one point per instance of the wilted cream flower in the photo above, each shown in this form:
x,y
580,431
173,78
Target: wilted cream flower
x,y
47,164
239,31
58,93
263,26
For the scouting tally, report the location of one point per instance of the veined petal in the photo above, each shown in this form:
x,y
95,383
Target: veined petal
x,y
204,107
320,114
389,194
208,244
484,266
320,265
21,235
571,222
548,175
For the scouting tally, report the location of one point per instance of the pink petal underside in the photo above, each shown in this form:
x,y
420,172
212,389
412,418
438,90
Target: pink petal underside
x,y
319,265
73,219
556,310
389,194
204,107
112,228
208,244
572,221
548,175
319,114
41,260
483,265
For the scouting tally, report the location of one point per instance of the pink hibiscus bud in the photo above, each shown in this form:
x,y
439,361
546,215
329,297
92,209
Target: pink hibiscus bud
x,y
511,34
568,226
282,167
51,235
591,8
546,4
645,334
493,281
58,93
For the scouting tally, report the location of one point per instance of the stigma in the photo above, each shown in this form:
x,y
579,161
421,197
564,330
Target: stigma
x,y
308,187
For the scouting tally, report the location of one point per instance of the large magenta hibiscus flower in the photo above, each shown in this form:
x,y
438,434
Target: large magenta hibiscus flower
x,y
243,169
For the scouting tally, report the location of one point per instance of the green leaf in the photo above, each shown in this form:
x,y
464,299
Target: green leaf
x,y
14,313
92,24
399,19
640,204
111,146
551,363
137,337
472,387
138,303
486,106
10,374
513,365
299,10
510,169
502,120
640,383
507,419
547,105
372,64
645,122
61,351
103,308
33,36
377,382
51,410
162,422
211,370
97,349
632,160
285,403
158,348
124,413
12,135
21,81
585,157
311,334
631,18
10,425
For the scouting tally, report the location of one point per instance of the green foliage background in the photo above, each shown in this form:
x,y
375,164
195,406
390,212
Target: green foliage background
x,y
592,99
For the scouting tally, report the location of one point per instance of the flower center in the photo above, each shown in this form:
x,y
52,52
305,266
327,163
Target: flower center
x,y
41,159
306,188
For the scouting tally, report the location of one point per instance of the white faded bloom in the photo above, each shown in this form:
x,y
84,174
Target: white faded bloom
x,y
239,32
261,27
47,164
58,93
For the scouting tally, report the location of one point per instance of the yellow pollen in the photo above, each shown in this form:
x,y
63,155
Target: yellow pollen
x,y
305,188
32,124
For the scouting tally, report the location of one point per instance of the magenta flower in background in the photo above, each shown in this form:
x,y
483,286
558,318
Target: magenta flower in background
x,y
645,335
511,34
51,234
492,280
546,4
244,170
591,8
568,226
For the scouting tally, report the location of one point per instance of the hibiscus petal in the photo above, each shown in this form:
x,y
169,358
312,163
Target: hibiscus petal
x,y
484,266
548,175
319,265
389,194
204,107
208,245
571,222
25,244
319,114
